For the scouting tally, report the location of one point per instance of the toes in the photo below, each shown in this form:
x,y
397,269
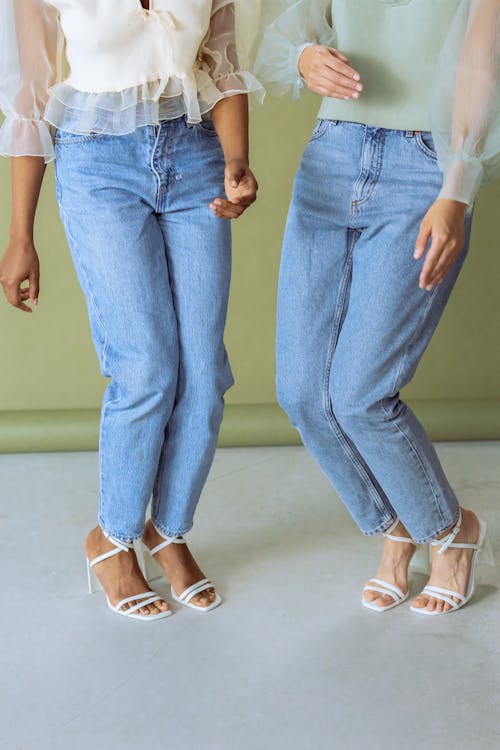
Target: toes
x,y
420,602
431,604
439,606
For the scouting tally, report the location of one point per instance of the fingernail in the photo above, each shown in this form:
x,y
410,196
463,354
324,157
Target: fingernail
x,y
429,288
35,301
235,183
356,76
218,202
359,87
355,95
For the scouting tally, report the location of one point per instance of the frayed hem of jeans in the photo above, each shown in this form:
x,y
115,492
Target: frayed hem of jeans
x,y
447,527
126,539
162,531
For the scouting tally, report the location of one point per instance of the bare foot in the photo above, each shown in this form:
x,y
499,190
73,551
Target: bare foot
x,y
179,565
396,557
120,575
451,570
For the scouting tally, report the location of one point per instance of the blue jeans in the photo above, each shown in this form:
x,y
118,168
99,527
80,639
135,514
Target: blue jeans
x,y
353,323
154,264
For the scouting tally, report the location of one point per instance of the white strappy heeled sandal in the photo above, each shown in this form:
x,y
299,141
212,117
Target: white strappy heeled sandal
x,y
153,570
142,599
482,553
388,589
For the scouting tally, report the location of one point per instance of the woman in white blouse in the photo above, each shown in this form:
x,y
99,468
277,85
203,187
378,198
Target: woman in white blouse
x,y
148,129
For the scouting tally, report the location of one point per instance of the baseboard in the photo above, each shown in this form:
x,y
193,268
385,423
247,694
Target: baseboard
x,y
244,425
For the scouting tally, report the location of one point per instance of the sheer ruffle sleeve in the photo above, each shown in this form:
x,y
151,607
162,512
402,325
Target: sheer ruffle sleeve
x,y
465,108
225,53
28,67
290,26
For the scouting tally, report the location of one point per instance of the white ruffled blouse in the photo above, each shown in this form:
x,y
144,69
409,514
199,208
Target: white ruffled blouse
x,y
128,66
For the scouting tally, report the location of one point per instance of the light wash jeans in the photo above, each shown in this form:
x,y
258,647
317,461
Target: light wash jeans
x,y
154,264
353,323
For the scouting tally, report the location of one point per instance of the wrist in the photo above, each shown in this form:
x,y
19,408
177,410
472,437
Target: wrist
x,y
21,235
240,160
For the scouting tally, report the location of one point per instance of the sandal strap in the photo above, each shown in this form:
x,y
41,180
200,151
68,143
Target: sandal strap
x,y
119,547
389,535
449,539
133,609
444,595
385,588
150,596
168,540
196,588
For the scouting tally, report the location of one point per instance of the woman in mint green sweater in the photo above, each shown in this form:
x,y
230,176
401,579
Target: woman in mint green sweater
x,y
378,229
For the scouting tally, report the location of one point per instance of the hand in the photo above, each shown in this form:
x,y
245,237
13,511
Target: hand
x,y
19,264
327,71
444,226
241,191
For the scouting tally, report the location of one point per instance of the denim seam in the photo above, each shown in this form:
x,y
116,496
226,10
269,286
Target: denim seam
x,y
365,173
154,170
158,474
418,329
327,404
104,350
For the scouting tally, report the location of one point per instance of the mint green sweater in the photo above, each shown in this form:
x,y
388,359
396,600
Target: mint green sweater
x,y
425,65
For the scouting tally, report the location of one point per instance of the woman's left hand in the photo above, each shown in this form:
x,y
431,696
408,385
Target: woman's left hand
x,y
444,226
241,191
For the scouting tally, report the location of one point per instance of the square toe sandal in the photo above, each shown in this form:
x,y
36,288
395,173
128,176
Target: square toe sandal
x,y
153,570
482,554
142,599
388,589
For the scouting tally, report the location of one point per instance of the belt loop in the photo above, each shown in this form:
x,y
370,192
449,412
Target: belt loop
x,y
410,133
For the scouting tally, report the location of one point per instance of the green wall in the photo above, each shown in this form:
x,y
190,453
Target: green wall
x,y
51,386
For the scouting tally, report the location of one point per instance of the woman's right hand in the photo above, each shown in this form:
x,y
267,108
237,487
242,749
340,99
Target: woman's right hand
x,y
327,72
19,264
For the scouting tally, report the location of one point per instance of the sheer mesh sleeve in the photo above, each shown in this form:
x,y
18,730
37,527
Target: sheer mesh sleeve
x,y
466,101
28,63
289,27
225,53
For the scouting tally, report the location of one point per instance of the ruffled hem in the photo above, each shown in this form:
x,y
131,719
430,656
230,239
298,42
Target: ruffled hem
x,y
119,113
20,136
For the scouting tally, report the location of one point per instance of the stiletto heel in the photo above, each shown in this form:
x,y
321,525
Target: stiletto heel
x,y
482,549
382,587
140,600
152,568
155,571
92,580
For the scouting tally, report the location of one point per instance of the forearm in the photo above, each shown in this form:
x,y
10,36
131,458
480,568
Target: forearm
x,y
27,177
230,117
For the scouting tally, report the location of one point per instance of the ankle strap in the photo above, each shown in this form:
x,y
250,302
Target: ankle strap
x,y
448,540
119,547
388,534
168,540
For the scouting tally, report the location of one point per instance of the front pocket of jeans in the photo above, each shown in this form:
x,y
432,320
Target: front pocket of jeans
x,y
319,130
206,128
425,142
64,137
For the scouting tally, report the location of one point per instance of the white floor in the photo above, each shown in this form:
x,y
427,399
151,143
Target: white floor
x,y
291,660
